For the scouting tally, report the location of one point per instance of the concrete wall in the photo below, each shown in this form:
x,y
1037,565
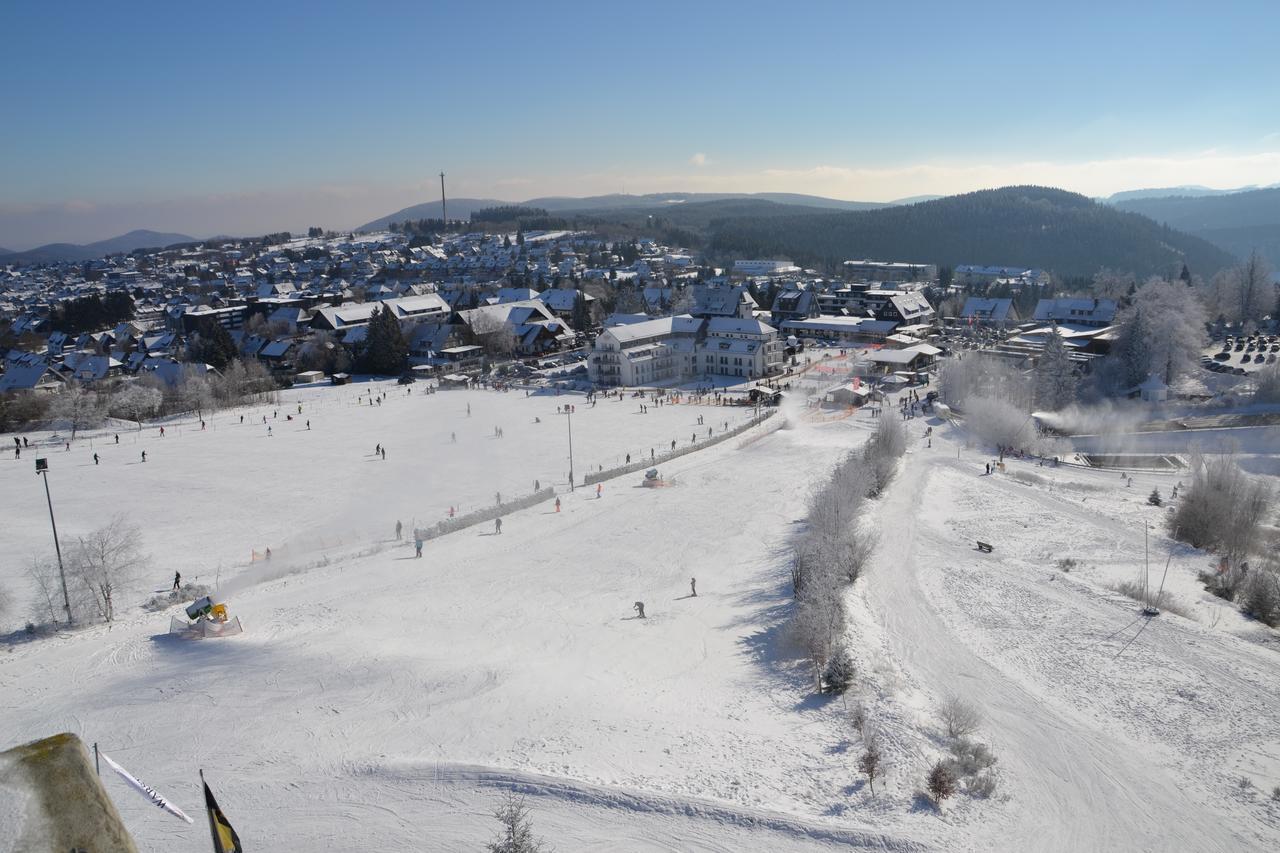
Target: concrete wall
x,y
460,522
52,801
609,473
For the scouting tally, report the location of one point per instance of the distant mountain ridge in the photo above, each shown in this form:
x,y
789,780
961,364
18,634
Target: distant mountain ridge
x,y
1187,191
56,252
1238,222
462,208
1195,213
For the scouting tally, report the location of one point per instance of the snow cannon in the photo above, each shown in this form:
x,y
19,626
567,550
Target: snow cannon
x,y
207,620
205,608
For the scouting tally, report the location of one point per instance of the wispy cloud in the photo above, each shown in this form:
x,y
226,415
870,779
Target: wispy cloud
x,y
699,159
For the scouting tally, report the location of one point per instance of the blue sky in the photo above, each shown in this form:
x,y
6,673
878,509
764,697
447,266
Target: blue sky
x,y
243,117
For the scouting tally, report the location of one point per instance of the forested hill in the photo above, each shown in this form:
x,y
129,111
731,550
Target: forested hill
x,y
1063,232
1200,213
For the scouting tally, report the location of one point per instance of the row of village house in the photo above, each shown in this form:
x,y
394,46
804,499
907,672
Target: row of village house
x,y
724,332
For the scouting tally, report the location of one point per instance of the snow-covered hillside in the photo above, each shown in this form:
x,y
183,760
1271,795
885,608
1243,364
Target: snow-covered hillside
x,y
383,702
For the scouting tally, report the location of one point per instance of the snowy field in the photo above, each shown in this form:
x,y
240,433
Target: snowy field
x,y
382,702
208,499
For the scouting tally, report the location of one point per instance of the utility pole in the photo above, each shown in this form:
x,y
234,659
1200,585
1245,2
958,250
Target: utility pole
x,y
569,420
42,470
444,209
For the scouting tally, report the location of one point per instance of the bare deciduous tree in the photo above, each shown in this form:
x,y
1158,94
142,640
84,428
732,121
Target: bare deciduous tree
x,y
78,408
136,402
106,561
869,764
959,717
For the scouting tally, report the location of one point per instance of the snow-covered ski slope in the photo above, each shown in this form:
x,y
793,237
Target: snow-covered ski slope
x,y
383,702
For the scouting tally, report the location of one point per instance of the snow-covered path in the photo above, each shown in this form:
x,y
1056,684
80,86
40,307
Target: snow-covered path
x,y
1095,750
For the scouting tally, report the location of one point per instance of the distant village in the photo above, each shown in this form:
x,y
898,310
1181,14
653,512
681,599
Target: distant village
x,y
553,306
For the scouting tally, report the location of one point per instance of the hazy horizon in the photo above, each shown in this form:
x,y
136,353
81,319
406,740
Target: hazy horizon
x,y
255,119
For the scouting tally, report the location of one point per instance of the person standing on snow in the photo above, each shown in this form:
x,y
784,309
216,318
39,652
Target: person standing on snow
x,y
177,581
417,543
638,607
497,527
399,527
693,587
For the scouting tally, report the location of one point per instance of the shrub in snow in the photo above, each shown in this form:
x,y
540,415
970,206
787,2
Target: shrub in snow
x,y
1068,564
982,786
970,757
1223,510
189,592
941,782
858,719
959,718
1259,596
839,672
516,835
1275,793
1154,498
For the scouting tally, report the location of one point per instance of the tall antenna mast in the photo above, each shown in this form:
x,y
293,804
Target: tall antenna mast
x,y
444,210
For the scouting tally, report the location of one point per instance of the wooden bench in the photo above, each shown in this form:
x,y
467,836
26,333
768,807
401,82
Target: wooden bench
x,y
985,547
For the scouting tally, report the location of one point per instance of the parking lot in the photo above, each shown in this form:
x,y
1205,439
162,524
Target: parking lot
x,y
1241,354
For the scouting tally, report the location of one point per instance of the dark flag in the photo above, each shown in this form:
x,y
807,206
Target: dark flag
x,y
225,839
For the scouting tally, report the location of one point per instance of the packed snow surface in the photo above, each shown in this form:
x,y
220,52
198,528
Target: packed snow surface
x,y
377,701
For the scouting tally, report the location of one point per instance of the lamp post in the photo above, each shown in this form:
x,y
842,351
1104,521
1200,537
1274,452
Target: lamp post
x,y
568,414
42,470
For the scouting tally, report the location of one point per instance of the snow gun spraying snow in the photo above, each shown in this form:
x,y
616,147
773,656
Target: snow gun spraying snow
x,y
652,480
207,619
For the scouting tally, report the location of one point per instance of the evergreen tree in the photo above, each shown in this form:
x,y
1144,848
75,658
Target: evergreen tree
x,y
581,318
1055,377
384,350
212,344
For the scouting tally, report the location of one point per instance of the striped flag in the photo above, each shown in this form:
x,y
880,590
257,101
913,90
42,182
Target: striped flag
x,y
225,839
145,790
